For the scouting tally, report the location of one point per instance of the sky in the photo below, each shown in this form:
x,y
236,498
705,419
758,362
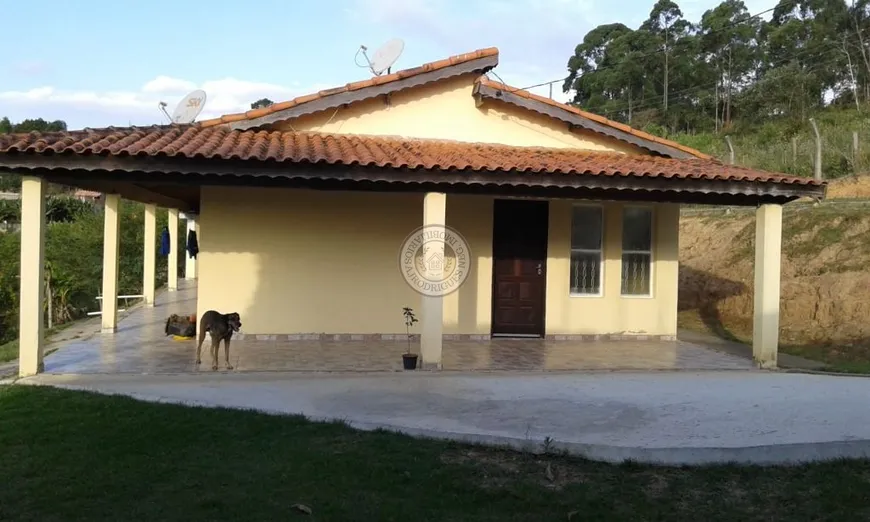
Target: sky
x,y
96,63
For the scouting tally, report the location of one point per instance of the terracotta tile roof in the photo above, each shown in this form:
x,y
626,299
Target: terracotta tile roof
x,y
434,66
220,143
377,80
594,117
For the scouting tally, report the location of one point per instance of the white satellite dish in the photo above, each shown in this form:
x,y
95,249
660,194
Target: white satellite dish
x,y
189,107
385,56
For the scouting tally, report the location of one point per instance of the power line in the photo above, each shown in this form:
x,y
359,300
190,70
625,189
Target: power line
x,y
693,90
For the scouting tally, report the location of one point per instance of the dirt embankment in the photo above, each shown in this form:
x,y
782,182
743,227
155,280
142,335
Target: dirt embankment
x,y
825,276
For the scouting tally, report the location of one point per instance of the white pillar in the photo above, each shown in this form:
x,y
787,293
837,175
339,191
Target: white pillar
x,y
150,259
432,307
768,255
172,260
111,251
189,262
31,335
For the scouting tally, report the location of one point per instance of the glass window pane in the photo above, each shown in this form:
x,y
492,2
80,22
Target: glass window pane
x,y
585,273
586,228
637,229
636,274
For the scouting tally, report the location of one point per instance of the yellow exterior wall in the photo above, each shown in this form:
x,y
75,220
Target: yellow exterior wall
x,y
306,261
447,110
468,310
611,313
300,261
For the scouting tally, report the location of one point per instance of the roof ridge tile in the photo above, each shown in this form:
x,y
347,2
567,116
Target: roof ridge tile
x,y
353,86
592,116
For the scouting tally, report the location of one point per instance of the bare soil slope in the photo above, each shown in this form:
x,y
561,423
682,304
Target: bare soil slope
x,y
857,187
825,277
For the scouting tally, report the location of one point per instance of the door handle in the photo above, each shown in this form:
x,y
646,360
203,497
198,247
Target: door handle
x,y
540,268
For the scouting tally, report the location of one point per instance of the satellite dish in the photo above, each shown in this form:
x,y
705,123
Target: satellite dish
x,y
385,56
189,107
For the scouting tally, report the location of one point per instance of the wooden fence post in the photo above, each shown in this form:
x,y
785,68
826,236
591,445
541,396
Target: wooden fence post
x,y
730,150
855,151
817,164
794,152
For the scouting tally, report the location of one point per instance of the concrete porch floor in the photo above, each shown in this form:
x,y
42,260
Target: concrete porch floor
x,y
140,346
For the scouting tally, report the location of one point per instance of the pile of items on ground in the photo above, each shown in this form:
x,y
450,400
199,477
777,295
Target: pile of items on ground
x,y
181,325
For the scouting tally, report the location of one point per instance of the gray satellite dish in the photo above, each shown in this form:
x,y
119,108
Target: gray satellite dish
x,y
189,107
385,56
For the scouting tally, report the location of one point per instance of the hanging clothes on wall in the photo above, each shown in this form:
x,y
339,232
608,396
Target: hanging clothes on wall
x,y
192,244
164,242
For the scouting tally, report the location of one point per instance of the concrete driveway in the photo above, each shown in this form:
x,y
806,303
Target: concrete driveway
x,y
673,418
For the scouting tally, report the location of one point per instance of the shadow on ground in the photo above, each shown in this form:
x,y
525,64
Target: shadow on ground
x,y
700,293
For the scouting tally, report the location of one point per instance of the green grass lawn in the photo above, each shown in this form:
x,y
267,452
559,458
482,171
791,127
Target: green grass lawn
x,y
9,351
77,456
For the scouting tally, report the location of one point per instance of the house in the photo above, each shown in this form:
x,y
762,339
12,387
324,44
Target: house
x,y
88,196
548,221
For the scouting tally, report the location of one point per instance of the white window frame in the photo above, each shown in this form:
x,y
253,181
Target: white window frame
x,y
651,251
600,250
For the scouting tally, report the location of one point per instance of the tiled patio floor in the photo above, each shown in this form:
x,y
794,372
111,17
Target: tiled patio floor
x,y
140,346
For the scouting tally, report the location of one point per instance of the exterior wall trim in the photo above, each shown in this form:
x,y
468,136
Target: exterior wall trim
x,y
347,337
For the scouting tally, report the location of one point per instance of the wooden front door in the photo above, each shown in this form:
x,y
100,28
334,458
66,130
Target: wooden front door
x,y
519,251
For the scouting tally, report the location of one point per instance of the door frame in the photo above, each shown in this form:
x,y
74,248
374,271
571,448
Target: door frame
x,y
492,306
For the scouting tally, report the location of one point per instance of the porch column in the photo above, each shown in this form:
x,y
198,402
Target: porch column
x,y
32,290
189,262
111,250
432,307
149,262
768,254
172,260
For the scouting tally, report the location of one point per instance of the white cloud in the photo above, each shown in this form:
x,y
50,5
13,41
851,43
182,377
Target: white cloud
x,y
120,108
166,85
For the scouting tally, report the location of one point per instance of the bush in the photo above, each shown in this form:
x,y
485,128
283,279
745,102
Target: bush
x,y
74,261
768,146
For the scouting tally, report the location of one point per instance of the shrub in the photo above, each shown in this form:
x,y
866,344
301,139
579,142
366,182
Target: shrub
x,y
74,260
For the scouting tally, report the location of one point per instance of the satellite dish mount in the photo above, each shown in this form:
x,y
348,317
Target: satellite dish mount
x,y
384,57
187,109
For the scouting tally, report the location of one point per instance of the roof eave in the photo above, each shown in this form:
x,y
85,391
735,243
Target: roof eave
x,y
476,66
505,95
153,168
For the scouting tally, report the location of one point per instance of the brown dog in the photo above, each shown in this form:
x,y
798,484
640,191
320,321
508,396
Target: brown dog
x,y
221,327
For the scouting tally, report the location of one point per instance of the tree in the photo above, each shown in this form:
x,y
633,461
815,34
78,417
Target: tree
x,y
590,73
12,182
804,35
728,43
667,24
728,69
39,125
262,103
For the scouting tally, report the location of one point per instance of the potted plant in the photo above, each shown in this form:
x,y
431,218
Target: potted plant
x,y
409,360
